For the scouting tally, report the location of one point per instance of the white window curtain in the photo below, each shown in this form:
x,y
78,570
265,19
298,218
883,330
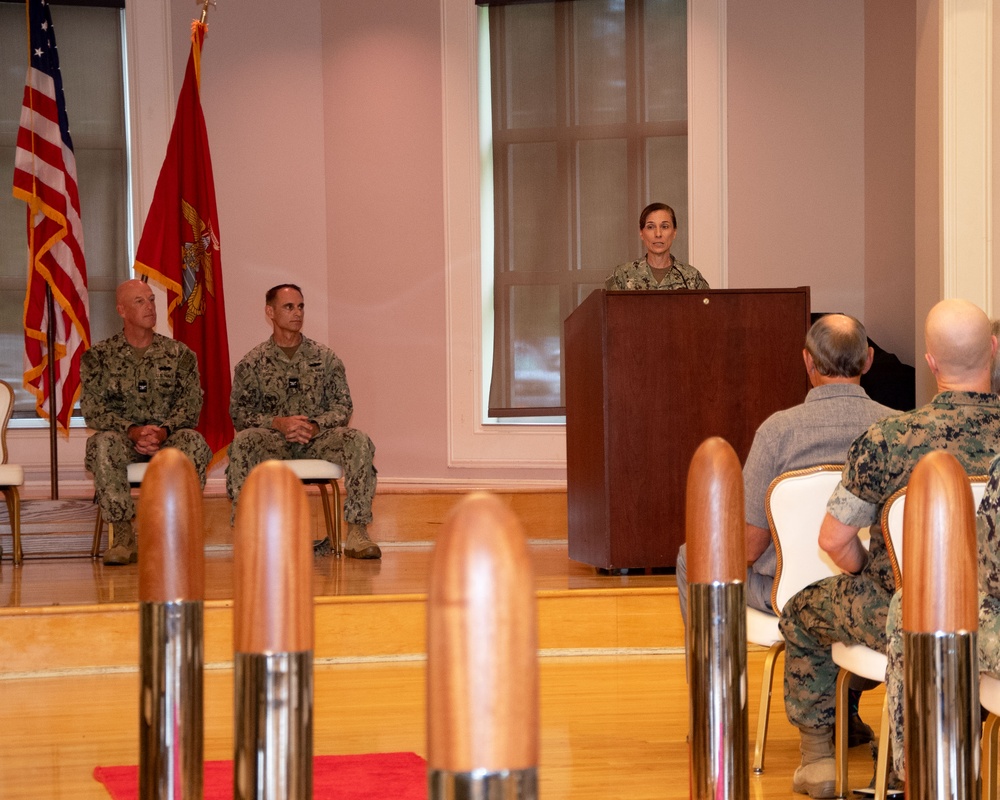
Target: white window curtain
x,y
91,61
589,125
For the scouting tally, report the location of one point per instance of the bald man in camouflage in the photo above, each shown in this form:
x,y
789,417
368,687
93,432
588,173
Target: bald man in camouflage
x,y
988,639
141,393
290,400
962,419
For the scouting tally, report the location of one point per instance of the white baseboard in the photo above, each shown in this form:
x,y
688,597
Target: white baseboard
x,y
79,484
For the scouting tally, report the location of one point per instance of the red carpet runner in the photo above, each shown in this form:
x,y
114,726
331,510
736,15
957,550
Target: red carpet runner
x,y
375,776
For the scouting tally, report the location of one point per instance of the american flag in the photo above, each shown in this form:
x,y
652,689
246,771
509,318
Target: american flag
x,y
45,178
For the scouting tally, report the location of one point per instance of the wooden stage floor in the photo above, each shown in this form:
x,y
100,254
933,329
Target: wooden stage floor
x,y
614,703
403,570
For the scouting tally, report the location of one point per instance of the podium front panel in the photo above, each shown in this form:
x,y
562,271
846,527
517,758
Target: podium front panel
x,y
649,376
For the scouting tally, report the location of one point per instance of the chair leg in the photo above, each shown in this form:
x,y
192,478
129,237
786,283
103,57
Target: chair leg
x,y
338,546
991,736
884,745
764,709
840,726
13,499
95,549
325,498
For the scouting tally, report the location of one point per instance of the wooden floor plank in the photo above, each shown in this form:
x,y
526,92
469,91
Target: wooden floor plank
x,y
52,610
403,569
67,525
610,727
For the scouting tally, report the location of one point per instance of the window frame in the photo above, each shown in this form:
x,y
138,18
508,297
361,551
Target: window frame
x,y
569,133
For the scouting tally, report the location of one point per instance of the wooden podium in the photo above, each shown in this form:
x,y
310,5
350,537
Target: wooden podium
x,y
649,376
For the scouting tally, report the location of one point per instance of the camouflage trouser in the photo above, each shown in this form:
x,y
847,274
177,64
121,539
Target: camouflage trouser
x,y
350,448
989,662
108,455
845,608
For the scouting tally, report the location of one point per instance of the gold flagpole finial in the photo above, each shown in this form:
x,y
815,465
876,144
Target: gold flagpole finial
x,y
204,8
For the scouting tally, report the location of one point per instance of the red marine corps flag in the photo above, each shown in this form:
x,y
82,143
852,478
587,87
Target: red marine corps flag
x,y
179,249
45,178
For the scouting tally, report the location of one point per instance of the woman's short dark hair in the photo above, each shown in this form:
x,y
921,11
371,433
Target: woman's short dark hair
x,y
656,207
838,344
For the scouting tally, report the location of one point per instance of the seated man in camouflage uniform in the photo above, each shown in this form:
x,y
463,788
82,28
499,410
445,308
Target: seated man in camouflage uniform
x,y
962,419
988,637
141,392
290,400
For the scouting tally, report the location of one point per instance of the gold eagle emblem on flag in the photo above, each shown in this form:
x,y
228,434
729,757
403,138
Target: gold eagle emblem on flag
x,y
197,258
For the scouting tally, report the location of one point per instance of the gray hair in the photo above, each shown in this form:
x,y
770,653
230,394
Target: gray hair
x,y
838,344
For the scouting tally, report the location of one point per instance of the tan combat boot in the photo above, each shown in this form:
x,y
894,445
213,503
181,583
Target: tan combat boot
x,y
816,776
123,548
358,544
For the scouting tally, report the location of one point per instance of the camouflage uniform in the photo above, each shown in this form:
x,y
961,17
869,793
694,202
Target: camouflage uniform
x,y
853,608
122,389
267,384
989,612
988,534
639,275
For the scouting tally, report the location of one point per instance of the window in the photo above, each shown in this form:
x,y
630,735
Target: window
x,y
589,124
90,41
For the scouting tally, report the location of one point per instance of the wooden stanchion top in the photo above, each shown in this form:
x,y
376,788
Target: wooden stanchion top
x,y
482,643
715,527
272,564
940,582
170,531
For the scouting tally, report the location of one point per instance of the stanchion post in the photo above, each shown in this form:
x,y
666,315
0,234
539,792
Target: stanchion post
x,y
716,631
482,658
171,629
273,638
940,629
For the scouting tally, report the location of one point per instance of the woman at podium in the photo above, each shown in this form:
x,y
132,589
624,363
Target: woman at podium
x,y
657,269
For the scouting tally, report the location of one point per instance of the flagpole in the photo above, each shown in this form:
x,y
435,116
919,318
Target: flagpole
x,y
204,9
50,344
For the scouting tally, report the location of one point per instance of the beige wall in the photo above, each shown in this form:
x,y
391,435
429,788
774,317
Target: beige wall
x,y
385,221
796,149
889,225
262,85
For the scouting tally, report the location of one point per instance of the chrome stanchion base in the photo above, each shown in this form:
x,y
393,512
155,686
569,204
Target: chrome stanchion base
x,y
941,715
519,784
273,735
171,730
717,655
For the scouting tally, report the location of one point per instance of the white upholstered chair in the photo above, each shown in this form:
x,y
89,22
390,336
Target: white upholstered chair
x,y
11,475
796,503
892,516
864,662
136,471
989,698
323,474
857,659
